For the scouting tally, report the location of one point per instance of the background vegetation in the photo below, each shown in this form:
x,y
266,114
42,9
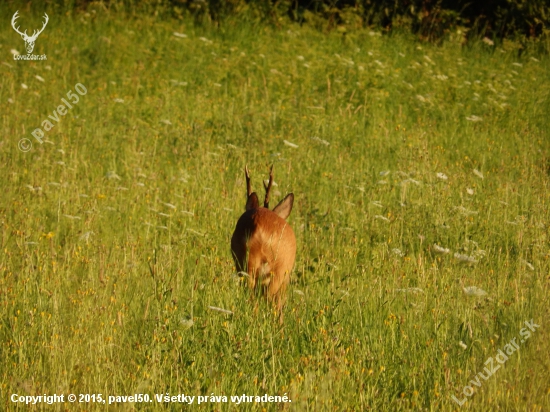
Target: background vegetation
x,y
115,231
428,19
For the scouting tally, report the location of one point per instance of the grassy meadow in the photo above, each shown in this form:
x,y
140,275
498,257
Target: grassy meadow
x,y
421,176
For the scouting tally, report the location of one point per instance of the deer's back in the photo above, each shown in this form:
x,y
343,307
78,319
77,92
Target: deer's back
x,y
269,240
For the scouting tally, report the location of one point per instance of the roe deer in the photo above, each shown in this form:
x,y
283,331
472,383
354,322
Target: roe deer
x,y
264,245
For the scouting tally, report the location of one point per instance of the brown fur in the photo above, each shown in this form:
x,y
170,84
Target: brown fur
x,y
264,246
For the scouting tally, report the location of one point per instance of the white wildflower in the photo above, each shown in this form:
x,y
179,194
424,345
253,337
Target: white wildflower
x,y
85,236
195,232
416,182
286,142
112,175
473,291
397,252
317,139
465,211
469,260
439,249
34,188
215,308
529,265
177,82
478,173
474,118
186,323
479,254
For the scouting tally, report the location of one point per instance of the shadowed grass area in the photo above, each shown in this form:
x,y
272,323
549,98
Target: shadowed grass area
x,y
419,171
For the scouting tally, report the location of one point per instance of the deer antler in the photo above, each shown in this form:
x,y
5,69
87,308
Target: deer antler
x,y
247,174
268,188
24,34
37,32
15,17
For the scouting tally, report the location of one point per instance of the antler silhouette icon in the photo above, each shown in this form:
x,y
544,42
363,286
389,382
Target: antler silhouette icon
x,y
29,40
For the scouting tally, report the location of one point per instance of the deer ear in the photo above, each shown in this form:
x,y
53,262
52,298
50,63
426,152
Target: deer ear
x,y
284,207
252,202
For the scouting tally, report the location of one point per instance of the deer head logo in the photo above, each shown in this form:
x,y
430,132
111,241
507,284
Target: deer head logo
x,y
29,40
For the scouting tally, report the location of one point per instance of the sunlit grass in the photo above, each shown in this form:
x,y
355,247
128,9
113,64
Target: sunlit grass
x,y
421,178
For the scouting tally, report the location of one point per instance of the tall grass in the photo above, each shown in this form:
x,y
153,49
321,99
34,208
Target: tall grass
x,y
115,231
